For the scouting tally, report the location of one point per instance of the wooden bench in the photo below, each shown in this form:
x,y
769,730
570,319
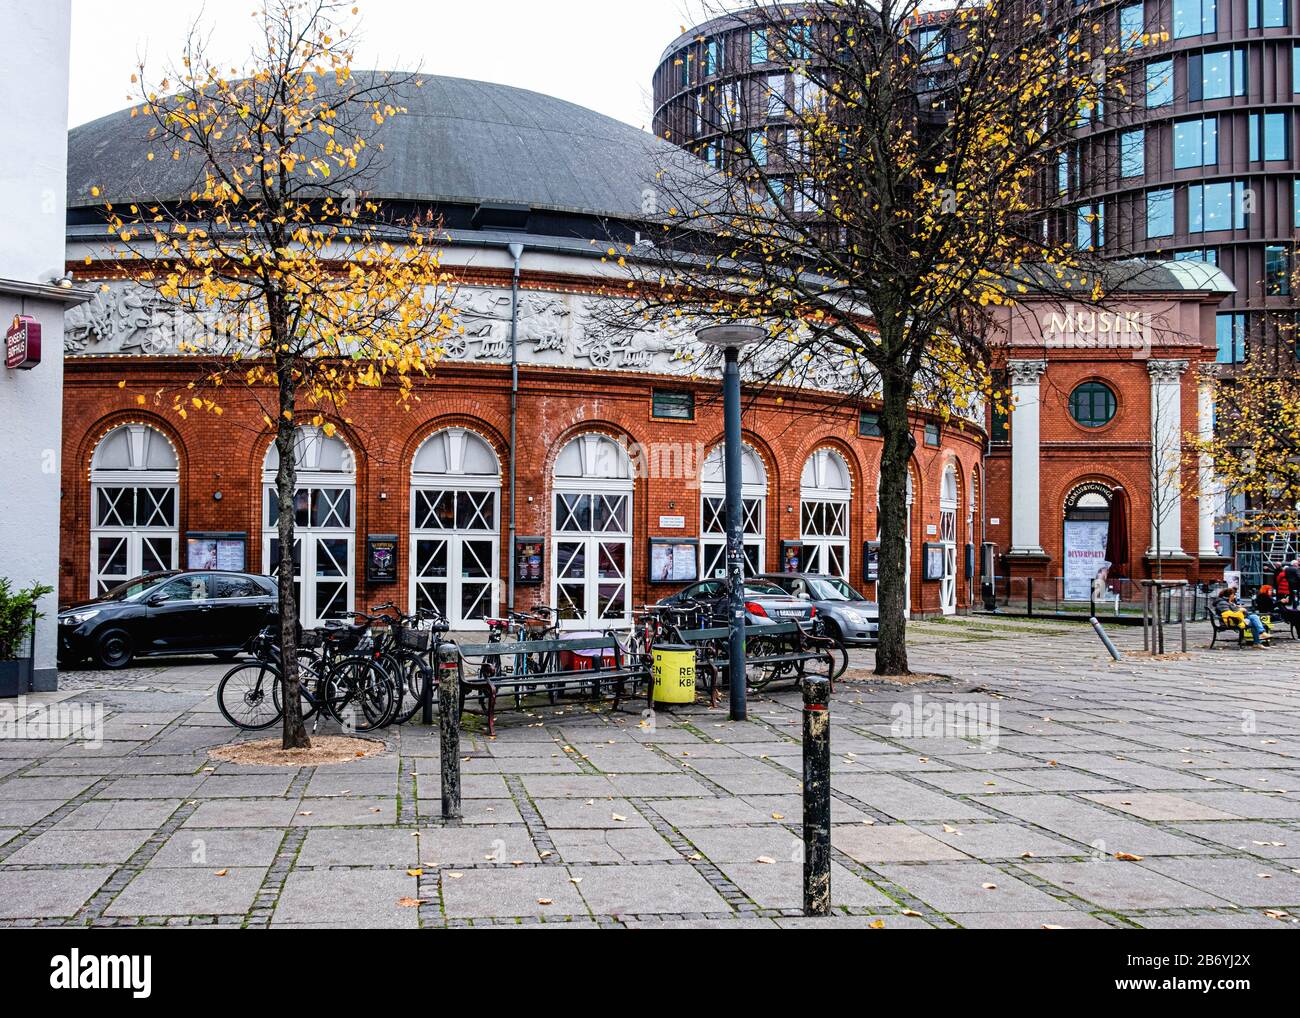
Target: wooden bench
x,y
772,652
542,671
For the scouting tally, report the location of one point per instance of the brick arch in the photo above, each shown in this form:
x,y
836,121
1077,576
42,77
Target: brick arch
x,y
416,439
760,445
835,442
95,434
349,434
76,510
623,436
1061,490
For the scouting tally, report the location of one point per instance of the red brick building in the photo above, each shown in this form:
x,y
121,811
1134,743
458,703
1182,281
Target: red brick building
x,y
617,481
1109,397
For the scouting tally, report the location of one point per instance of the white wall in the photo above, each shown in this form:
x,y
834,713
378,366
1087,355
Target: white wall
x,y
33,184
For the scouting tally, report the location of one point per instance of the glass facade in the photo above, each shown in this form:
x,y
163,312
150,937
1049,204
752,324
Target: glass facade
x,y
1196,143
1194,17
1132,153
1160,213
1160,83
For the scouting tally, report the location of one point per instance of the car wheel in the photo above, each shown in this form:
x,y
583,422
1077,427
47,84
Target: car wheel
x,y
114,649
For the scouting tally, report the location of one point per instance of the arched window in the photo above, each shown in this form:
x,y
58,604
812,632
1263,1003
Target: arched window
x,y
324,551
134,491
713,512
1092,404
948,505
455,534
824,496
591,539
1086,530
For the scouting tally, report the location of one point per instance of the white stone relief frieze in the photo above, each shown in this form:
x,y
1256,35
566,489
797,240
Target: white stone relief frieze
x,y
555,329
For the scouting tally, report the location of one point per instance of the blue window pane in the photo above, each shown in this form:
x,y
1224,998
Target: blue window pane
x,y
1132,153
1131,26
1277,271
1160,213
1230,338
1212,206
1196,143
1160,83
1275,139
758,47
1266,13
1194,17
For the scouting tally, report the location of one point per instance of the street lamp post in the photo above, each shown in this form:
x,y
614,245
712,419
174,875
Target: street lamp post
x,y
731,339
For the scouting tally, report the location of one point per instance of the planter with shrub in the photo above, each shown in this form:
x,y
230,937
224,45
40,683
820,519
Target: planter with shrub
x,y
18,617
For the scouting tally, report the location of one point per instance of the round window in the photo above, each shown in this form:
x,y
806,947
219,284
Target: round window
x,y
1092,404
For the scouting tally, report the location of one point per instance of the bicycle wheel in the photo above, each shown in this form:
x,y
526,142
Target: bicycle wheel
x,y
416,675
307,680
759,674
359,694
247,696
839,656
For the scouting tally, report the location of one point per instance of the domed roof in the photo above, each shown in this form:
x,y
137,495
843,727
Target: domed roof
x,y
460,142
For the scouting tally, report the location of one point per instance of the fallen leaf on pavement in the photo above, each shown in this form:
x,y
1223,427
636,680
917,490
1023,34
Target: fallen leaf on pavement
x,y
1127,857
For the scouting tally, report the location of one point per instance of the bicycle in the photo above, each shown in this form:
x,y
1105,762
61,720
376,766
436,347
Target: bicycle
x,y
410,653
343,680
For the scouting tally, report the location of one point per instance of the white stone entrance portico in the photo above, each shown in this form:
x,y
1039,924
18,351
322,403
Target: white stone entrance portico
x,y
1025,377
1166,458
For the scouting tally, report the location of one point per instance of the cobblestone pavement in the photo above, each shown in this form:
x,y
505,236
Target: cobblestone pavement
x,y
1038,785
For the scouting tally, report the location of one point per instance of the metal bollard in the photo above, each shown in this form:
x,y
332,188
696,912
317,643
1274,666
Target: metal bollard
x,y
1182,615
816,796
449,748
1101,633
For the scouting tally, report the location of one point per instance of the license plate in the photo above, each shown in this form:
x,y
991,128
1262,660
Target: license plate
x,y
790,613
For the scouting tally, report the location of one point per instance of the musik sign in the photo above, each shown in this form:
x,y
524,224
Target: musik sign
x,y
23,343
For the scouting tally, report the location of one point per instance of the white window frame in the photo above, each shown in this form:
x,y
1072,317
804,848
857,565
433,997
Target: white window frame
x,y
821,504
310,539
157,540
949,504
753,494
907,546
458,553
606,474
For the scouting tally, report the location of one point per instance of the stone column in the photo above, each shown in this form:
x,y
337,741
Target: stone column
x,y
1166,457
1211,493
1025,379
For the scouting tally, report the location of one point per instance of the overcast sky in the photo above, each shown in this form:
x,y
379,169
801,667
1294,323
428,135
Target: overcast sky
x,y
598,53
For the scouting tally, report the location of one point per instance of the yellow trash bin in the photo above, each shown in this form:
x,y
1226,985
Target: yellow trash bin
x,y
674,674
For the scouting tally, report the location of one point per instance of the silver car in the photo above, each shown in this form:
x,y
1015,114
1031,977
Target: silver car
x,y
843,611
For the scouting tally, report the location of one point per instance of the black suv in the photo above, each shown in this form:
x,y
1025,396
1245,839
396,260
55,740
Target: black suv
x,y
167,613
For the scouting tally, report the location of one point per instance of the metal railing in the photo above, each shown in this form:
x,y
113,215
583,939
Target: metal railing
x,y
1122,599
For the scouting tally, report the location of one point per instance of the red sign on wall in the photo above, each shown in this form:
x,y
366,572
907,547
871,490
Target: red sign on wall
x,y
23,343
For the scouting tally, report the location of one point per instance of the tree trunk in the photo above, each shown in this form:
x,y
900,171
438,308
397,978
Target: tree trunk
x,y
895,428
286,486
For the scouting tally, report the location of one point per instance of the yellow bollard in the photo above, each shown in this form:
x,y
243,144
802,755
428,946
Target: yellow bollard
x,y
674,674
